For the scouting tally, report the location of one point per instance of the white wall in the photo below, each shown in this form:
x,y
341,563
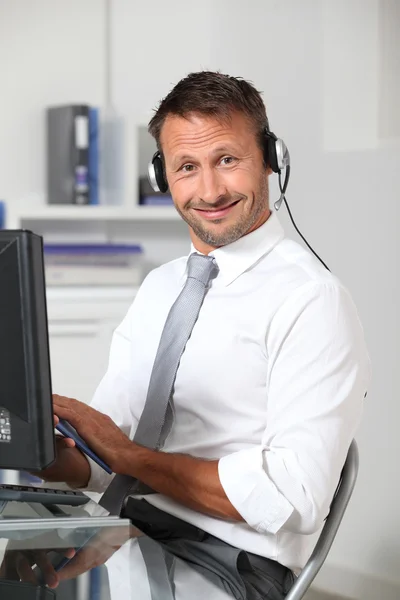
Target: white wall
x,y
330,75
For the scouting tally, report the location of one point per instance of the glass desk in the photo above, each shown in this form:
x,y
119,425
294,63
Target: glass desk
x,y
114,559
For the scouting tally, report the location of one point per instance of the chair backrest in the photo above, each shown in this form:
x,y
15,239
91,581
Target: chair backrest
x,y
337,509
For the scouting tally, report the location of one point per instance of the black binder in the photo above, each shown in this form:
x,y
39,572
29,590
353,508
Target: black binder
x,y
68,180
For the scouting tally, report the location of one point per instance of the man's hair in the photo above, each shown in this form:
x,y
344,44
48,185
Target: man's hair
x,y
212,94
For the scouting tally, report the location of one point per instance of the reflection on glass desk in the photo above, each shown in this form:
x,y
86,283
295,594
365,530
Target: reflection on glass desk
x,y
35,539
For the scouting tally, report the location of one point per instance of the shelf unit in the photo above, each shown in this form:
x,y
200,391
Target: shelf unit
x,y
159,230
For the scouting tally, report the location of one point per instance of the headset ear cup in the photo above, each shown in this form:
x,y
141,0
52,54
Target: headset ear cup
x,y
270,144
156,174
160,175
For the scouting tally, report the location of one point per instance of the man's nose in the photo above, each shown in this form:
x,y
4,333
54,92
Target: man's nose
x,y
211,187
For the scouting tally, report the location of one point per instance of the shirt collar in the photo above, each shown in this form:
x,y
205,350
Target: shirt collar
x,y
236,258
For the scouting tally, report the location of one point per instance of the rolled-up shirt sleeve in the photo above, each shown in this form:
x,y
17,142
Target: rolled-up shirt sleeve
x,y
318,375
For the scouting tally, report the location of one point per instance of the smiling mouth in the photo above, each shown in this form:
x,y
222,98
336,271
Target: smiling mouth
x,y
216,213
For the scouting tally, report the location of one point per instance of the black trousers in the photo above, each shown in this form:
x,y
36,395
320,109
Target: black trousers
x,y
245,576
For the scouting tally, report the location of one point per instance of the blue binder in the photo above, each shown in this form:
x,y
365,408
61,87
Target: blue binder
x,y
93,161
2,215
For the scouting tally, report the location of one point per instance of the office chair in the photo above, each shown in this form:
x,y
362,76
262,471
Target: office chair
x,y
337,509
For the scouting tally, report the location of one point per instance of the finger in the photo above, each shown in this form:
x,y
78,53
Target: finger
x,y
64,401
74,416
65,442
56,420
81,563
69,553
24,570
62,404
49,575
69,442
60,398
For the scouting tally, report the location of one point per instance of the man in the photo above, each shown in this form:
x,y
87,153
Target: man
x,y
270,386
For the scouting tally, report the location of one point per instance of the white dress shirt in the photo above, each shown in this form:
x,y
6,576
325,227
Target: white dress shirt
x,y
271,383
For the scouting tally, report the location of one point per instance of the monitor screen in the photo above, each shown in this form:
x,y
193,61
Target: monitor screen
x,y
27,438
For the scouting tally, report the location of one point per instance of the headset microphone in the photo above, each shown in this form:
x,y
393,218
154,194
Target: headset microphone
x,y
278,203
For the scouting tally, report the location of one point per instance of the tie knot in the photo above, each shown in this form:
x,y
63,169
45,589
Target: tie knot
x,y
203,268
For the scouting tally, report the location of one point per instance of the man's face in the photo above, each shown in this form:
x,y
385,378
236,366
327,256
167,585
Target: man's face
x,y
216,176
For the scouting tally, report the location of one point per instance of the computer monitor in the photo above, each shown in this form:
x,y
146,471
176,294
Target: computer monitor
x,y
27,440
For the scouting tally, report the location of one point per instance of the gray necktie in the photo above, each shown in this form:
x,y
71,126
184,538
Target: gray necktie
x,y
156,419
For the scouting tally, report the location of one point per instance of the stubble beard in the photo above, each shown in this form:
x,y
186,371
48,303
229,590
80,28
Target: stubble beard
x,y
241,227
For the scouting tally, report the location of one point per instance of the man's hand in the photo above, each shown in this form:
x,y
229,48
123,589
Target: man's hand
x,y
18,565
97,551
98,430
71,466
191,481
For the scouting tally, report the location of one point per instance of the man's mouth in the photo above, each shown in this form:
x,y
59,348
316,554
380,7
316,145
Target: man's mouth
x,y
216,213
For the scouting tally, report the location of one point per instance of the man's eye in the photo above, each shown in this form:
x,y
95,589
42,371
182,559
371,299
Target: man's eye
x,y
187,168
227,160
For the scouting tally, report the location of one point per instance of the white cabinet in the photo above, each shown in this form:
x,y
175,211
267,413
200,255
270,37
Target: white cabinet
x,y
78,352
81,324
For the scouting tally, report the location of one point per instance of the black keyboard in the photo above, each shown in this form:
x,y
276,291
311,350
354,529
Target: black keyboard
x,y
27,493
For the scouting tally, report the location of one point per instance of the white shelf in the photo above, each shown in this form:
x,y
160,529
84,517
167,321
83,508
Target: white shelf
x,y
93,293
99,213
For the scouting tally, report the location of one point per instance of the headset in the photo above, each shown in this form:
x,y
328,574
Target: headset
x,y
276,156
